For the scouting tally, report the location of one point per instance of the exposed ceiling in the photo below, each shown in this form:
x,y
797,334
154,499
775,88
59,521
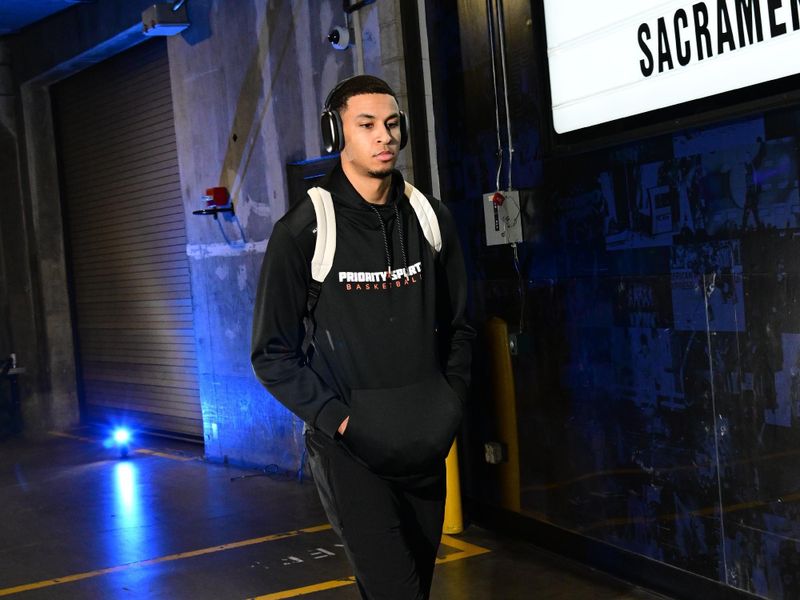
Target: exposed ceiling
x,y
16,14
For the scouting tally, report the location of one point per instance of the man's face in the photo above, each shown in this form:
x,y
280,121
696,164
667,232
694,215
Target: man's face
x,y
371,125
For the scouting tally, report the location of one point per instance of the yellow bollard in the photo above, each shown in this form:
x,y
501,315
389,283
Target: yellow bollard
x,y
453,519
502,377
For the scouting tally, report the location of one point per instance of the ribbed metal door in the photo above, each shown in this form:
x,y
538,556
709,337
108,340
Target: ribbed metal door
x,y
127,243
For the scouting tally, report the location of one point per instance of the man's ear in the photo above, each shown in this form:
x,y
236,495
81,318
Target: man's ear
x,y
345,154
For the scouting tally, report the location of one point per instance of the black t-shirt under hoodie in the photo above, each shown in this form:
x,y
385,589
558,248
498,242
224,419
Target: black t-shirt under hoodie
x,y
391,349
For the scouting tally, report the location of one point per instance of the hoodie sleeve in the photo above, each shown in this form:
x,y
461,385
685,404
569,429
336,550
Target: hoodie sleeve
x,y
278,334
455,332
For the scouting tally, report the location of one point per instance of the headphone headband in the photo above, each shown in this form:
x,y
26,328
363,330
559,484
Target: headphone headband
x,y
335,89
341,84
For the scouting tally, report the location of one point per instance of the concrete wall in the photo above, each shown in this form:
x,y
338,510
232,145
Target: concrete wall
x,y
248,84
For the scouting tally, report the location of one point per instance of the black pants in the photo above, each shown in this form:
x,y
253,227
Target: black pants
x,y
390,530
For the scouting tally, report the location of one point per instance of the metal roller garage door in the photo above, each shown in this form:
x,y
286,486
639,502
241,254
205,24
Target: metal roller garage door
x,y
132,303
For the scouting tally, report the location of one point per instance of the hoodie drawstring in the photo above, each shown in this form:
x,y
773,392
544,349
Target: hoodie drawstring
x,y
386,239
400,233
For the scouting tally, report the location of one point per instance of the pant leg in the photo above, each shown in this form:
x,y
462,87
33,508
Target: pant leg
x,y
384,533
422,513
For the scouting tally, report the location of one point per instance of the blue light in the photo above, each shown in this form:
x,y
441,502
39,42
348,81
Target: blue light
x,y
125,531
122,436
125,488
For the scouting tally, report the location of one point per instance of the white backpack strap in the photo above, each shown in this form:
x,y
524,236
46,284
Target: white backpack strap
x,y
325,246
426,217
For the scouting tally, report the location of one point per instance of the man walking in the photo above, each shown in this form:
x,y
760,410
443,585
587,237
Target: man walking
x,y
375,358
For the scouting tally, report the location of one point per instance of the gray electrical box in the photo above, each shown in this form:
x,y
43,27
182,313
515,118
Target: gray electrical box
x,y
502,212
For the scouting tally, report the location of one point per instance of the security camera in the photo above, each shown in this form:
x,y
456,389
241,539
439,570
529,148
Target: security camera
x,y
339,37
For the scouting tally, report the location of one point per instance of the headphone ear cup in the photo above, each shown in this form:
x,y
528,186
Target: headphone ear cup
x,y
331,129
337,125
403,130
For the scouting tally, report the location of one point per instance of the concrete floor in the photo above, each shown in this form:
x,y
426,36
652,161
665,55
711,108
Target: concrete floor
x,y
78,522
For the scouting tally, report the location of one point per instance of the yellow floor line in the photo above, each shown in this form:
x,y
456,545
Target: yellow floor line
x,y
143,563
146,451
164,455
466,551
70,436
308,589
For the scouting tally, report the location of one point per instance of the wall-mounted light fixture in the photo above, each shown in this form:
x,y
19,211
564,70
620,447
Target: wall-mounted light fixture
x,y
165,18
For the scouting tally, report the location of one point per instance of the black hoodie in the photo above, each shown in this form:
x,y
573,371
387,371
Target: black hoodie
x,y
392,352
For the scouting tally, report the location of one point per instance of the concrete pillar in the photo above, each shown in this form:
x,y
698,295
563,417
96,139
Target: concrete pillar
x,y
54,400
34,316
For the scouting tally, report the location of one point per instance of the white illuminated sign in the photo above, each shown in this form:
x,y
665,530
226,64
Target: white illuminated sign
x,y
611,59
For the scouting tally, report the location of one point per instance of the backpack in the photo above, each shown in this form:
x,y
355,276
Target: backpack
x,y
325,246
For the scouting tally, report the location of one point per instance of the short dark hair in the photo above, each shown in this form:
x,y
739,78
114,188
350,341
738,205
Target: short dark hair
x,y
356,86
